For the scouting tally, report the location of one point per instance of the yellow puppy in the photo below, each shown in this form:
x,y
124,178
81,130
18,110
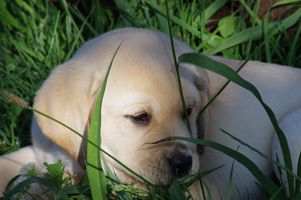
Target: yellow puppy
x,y
142,104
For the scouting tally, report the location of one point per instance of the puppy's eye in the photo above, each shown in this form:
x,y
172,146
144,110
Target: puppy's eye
x,y
140,119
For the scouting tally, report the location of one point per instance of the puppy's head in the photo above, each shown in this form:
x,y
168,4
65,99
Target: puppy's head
x,y
142,103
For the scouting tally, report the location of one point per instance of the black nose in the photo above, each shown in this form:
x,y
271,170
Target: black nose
x,y
180,164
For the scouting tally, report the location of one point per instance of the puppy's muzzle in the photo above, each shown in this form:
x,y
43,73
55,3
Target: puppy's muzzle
x,y
180,163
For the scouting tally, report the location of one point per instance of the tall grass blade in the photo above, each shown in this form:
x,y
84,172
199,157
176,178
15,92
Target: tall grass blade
x,y
213,8
251,12
266,36
203,190
189,180
97,179
285,2
9,19
176,63
230,182
172,18
221,69
292,51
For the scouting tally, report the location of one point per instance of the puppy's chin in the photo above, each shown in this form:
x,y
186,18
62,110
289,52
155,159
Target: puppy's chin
x,y
156,177
127,177
154,170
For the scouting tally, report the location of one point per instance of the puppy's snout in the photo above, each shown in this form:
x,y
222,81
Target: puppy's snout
x,y
180,163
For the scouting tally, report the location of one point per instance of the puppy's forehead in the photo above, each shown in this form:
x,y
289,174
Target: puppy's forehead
x,y
144,63
148,66
136,46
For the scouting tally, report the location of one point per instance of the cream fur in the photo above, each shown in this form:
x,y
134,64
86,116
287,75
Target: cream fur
x,y
143,79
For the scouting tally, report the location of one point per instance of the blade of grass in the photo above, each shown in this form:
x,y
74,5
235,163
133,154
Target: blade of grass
x,y
230,182
298,181
83,19
177,69
203,20
203,189
292,51
9,19
221,69
77,38
213,8
97,179
189,180
284,2
250,11
266,36
172,18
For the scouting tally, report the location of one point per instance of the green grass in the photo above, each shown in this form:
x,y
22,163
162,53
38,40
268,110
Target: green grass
x,y
36,35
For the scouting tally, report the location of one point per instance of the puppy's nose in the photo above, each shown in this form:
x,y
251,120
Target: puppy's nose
x,y
180,163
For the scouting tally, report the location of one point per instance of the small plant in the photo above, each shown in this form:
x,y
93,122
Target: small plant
x,y
53,182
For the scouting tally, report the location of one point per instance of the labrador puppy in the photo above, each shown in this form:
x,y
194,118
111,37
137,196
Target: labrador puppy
x,y
142,105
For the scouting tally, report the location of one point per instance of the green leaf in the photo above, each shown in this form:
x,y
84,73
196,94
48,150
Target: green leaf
x,y
213,40
55,173
227,26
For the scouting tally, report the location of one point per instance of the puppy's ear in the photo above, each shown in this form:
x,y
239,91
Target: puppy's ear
x,y
201,82
67,96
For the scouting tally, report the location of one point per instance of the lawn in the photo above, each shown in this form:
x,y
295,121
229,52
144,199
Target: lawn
x,y
36,35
